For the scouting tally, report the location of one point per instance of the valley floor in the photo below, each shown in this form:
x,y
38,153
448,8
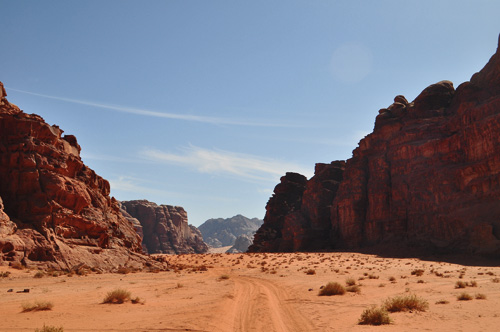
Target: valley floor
x,y
257,292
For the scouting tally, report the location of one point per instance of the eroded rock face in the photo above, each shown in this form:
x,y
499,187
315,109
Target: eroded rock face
x,y
61,214
222,232
241,244
165,228
428,175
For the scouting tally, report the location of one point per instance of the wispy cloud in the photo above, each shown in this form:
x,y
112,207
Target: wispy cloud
x,y
165,115
220,162
137,186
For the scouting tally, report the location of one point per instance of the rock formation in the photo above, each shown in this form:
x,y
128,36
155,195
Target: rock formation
x,y
165,228
241,244
222,232
60,214
428,175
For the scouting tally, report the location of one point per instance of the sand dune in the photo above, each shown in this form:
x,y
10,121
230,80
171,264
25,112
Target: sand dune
x,y
257,292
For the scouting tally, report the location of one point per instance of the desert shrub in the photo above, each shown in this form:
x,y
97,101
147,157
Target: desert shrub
x,y
495,280
136,300
392,279
460,284
374,316
17,265
372,276
332,288
4,274
406,303
442,302
37,306
353,289
417,272
310,272
224,277
48,328
350,282
117,296
480,296
464,297
123,270
39,274
473,283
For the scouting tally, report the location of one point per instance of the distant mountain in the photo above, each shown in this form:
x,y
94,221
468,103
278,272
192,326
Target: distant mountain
x,y
223,232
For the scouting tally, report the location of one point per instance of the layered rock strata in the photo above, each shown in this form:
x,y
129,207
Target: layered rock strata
x,y
165,228
59,211
428,175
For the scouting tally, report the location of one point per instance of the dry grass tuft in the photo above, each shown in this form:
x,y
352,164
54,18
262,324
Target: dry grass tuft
x,y
332,288
117,296
406,303
353,289
37,306
417,272
464,297
350,282
374,316
480,296
310,272
48,328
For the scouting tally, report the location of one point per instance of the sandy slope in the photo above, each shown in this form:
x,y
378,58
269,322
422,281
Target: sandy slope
x,y
256,292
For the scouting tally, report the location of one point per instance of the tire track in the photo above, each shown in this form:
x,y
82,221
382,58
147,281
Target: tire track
x,y
261,305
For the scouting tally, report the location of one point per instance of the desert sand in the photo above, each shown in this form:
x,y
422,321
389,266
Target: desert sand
x,y
257,292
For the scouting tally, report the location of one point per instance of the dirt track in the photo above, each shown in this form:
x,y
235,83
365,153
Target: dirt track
x,y
262,305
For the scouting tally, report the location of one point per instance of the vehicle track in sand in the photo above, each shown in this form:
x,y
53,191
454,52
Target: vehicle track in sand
x,y
262,305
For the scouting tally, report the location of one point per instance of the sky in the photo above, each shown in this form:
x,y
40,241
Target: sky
x,y
206,104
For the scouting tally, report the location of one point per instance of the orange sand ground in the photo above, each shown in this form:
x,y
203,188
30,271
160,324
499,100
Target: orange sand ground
x,y
256,292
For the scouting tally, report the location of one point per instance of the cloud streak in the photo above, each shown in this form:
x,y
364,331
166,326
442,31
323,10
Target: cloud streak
x,y
165,115
222,162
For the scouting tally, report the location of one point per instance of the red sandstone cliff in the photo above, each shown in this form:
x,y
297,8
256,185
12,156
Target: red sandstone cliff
x,y
429,174
56,211
165,228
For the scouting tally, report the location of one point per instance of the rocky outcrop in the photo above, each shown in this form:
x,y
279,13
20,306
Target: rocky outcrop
x,y
165,228
222,232
241,244
61,214
428,175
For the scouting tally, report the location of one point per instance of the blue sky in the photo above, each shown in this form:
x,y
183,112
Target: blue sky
x,y
205,104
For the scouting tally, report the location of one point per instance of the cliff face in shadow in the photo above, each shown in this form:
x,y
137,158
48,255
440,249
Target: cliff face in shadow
x,y
428,175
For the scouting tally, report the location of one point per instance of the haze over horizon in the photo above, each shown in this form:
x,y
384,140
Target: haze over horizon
x,y
206,105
